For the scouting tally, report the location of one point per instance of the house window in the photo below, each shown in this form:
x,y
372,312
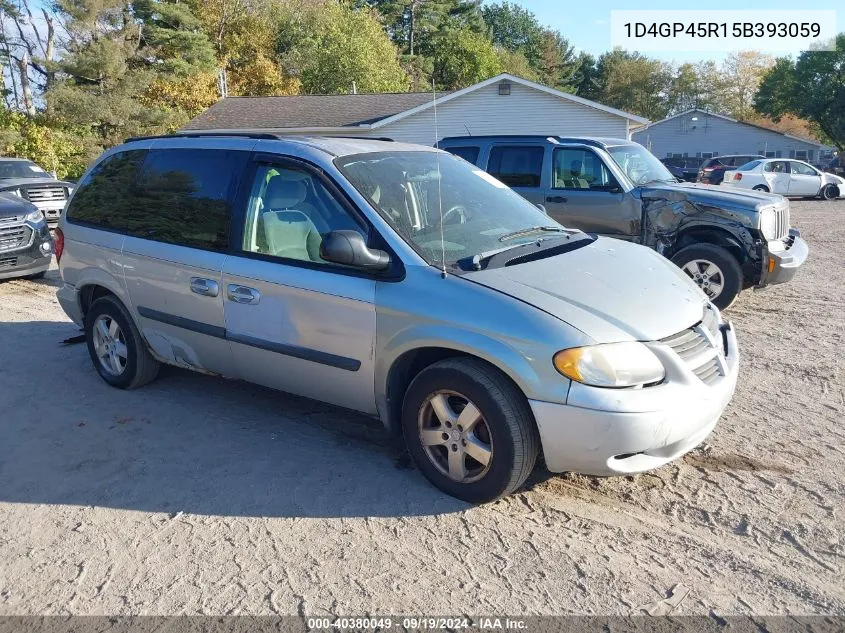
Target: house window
x,y
801,154
770,154
778,154
706,154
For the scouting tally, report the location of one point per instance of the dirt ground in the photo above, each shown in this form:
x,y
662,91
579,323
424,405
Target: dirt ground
x,y
196,495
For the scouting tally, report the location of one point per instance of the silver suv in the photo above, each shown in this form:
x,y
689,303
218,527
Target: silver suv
x,y
398,281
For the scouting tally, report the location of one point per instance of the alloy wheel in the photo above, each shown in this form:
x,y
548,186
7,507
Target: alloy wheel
x,y
707,275
110,345
455,437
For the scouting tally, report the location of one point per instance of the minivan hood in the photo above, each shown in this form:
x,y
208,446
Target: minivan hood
x,y
710,195
610,290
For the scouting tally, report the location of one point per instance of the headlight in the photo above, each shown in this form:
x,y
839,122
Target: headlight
x,y
611,365
769,223
34,217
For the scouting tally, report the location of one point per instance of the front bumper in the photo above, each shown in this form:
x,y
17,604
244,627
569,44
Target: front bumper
x,y
782,258
635,429
52,211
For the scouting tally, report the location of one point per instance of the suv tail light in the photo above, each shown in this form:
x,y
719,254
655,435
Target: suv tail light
x,y
60,244
737,176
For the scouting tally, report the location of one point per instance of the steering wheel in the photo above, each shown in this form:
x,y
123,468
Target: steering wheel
x,y
458,211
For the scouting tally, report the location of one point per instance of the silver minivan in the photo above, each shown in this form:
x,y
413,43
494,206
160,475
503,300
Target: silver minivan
x,y
401,282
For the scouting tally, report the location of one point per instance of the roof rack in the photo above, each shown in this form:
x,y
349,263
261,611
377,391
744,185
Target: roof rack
x,y
204,133
253,135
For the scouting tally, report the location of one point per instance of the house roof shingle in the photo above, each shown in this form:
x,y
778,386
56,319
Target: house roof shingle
x,y
305,111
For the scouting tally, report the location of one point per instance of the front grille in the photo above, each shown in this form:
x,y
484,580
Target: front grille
x,y
709,372
700,347
14,236
8,262
782,223
45,194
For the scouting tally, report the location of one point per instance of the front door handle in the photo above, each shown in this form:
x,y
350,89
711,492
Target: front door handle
x,y
558,199
243,294
205,287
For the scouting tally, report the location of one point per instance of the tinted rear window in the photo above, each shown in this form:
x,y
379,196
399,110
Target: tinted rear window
x,y
177,196
184,197
469,154
106,195
748,166
517,166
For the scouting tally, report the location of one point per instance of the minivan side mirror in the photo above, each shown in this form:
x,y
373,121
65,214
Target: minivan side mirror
x,y
348,248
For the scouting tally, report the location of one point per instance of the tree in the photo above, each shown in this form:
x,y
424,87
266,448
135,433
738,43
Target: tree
x,y
333,47
516,63
549,54
812,87
586,79
244,34
557,64
463,57
514,28
117,54
634,83
740,76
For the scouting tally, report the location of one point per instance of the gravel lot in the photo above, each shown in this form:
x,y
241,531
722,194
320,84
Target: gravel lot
x,y
201,496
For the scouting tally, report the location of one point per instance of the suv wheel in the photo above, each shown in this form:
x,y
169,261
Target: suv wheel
x,y
830,192
116,348
715,271
469,430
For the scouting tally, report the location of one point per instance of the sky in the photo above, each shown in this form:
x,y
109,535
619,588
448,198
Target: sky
x,y
586,24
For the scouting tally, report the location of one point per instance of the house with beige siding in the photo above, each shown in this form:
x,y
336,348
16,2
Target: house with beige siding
x,y
702,134
504,104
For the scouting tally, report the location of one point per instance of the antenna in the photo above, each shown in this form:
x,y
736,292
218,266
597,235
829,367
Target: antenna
x,y
439,187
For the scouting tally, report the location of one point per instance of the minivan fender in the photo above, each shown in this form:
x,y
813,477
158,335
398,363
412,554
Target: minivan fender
x,y
450,341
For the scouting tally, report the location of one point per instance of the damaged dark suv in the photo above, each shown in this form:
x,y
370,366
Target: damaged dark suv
x,y
726,240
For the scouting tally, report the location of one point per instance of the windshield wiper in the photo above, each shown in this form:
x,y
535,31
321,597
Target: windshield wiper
x,y
532,230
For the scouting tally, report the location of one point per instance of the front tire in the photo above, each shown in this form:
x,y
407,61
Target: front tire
x,y
715,271
118,351
830,192
469,430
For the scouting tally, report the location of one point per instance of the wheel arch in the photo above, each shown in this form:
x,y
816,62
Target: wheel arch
x,y
94,283
408,361
711,235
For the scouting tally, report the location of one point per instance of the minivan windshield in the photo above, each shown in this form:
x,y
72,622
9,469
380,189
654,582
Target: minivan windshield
x,y
639,164
417,194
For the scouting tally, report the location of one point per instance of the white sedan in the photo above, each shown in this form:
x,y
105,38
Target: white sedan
x,y
786,177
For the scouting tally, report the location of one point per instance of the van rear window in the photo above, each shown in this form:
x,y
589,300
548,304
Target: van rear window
x,y
106,194
469,154
517,166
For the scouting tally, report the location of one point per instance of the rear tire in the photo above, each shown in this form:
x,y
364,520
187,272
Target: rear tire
x,y
761,188
459,413
118,351
830,192
715,271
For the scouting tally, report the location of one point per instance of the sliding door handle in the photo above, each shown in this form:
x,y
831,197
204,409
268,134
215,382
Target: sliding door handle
x,y
558,199
243,294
